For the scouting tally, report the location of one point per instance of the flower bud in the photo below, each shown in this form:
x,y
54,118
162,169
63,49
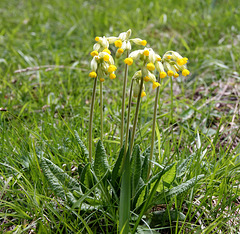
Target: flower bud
x,y
111,40
96,47
159,67
94,64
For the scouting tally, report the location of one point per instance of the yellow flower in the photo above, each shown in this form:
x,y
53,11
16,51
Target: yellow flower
x,y
185,72
107,51
146,78
176,75
143,42
128,61
185,59
97,38
102,79
94,53
143,94
146,52
150,66
180,62
155,85
170,73
163,75
106,57
112,68
93,74
112,76
120,50
118,43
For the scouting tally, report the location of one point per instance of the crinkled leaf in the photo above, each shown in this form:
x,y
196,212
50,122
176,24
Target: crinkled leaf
x,y
183,167
117,166
83,148
161,198
101,166
136,167
146,154
61,183
167,178
86,178
161,217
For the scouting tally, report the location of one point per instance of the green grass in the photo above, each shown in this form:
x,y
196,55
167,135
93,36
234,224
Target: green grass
x,y
44,107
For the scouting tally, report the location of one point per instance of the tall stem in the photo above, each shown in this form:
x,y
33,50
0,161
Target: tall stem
x,y
123,102
153,130
171,81
136,115
128,118
101,109
91,120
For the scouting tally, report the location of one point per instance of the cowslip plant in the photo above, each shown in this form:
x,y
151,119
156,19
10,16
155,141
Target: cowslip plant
x,y
129,188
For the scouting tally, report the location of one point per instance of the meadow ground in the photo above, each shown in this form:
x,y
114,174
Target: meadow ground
x,y
45,95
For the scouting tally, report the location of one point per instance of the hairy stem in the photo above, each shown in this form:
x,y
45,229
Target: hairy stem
x,y
171,81
128,117
91,120
136,116
101,109
153,130
123,102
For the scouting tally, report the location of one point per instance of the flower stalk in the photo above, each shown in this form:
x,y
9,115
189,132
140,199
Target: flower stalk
x,y
128,117
101,109
153,130
136,115
123,102
91,120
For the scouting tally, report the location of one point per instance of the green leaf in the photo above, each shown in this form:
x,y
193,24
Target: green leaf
x,y
83,148
86,178
146,154
167,178
141,195
125,197
117,166
101,166
183,167
136,168
145,190
61,183
161,198
161,218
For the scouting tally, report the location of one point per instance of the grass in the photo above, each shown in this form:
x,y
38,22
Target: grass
x,y
45,105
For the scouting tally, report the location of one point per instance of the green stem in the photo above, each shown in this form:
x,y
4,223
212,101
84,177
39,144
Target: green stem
x,y
153,131
128,118
123,102
101,109
91,120
136,116
171,99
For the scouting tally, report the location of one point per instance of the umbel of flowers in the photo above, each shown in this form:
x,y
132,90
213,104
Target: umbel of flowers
x,y
103,65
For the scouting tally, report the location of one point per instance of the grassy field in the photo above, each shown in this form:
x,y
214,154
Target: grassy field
x,y
45,95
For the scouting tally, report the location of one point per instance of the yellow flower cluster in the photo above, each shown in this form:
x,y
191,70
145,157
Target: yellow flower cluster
x,y
173,63
102,63
123,42
149,59
170,65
